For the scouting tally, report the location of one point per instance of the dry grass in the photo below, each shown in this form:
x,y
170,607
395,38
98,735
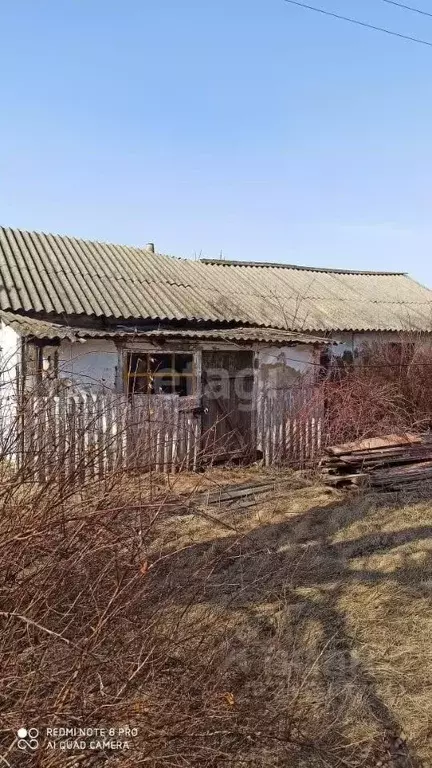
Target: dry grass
x,y
293,633
352,577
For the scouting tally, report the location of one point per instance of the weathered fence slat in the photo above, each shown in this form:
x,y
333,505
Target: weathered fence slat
x,y
84,435
289,426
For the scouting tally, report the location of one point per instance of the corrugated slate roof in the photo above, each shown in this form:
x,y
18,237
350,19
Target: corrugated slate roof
x,y
51,274
43,329
328,300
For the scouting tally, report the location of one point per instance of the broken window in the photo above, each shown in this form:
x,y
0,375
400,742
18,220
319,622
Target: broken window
x,y
160,373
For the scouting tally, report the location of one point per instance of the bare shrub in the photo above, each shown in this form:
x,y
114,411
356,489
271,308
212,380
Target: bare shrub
x,y
387,388
102,628
107,622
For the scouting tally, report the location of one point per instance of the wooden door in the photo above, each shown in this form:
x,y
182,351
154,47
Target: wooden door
x,y
227,405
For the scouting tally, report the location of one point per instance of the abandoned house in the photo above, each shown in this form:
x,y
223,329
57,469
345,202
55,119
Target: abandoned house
x,y
101,319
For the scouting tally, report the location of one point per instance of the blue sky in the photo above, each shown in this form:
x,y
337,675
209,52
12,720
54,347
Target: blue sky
x,y
249,127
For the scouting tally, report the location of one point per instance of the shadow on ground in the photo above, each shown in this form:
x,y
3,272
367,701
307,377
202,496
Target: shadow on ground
x,y
304,560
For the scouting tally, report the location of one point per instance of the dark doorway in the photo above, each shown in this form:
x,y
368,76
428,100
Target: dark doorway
x,y
227,405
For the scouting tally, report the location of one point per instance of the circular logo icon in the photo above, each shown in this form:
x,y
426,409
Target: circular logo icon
x,y
28,739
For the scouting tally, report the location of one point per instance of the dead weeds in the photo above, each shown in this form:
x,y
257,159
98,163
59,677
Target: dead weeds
x,y
295,632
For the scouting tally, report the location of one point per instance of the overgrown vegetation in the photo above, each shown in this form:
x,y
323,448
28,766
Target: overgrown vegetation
x,y
294,633
291,634
386,388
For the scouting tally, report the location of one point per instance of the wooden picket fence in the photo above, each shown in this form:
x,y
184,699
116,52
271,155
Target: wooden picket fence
x,y
84,435
290,429
88,435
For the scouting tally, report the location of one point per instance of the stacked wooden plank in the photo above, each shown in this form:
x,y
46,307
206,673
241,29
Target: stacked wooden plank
x,y
389,463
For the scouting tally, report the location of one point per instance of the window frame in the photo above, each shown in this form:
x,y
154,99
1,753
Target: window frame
x,y
151,376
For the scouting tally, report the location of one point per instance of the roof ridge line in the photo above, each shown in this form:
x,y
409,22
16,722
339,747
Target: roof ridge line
x,y
235,263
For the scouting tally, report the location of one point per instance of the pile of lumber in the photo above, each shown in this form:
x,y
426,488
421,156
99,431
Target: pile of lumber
x,y
387,463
